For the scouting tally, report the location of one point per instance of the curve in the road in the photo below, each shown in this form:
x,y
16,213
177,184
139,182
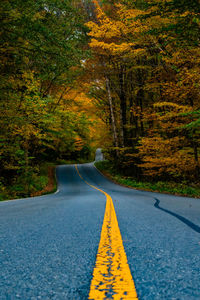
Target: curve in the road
x,y
48,244
111,276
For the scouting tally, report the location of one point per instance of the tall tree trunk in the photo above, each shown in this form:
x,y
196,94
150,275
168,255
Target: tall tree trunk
x,y
121,128
26,166
114,130
133,118
196,158
46,92
122,107
141,114
140,97
53,107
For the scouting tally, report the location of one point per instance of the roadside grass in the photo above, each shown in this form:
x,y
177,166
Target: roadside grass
x,y
181,189
72,162
41,182
46,183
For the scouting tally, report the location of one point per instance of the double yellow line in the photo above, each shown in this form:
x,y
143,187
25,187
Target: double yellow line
x,y
112,278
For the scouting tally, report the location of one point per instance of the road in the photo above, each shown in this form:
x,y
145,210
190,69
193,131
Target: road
x,y
49,244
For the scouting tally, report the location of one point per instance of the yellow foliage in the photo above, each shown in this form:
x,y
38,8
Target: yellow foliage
x,y
80,103
112,36
79,143
164,157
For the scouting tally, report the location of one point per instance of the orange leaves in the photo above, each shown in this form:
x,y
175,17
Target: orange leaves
x,y
111,48
154,81
163,157
185,88
167,148
171,107
79,143
111,36
107,29
77,102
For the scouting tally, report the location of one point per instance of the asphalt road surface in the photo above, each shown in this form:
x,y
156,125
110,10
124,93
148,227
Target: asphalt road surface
x,y
49,244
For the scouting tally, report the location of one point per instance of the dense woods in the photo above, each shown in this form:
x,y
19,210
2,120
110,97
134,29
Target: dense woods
x,y
44,113
121,75
146,60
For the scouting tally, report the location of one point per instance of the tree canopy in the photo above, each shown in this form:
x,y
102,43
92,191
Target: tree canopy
x,y
148,52
76,75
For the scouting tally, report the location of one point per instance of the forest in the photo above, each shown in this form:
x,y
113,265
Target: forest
x,y
120,75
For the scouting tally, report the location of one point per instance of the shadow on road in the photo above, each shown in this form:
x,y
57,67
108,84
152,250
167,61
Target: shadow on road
x,y
182,219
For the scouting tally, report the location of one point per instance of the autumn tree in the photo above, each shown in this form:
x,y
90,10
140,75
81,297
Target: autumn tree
x,y
42,48
150,55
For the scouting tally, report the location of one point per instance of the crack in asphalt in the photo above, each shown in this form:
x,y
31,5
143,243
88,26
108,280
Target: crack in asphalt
x,y
181,218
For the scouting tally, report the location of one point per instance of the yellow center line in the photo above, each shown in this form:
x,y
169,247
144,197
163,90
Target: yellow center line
x,y
112,277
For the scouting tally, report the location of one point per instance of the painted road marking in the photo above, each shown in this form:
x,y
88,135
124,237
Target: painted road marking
x,y
112,278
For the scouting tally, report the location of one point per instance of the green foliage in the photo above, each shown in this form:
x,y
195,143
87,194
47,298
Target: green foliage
x,y
194,118
41,52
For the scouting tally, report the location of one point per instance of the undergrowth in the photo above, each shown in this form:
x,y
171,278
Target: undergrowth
x,y
182,189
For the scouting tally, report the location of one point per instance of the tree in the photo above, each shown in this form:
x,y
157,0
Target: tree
x,y
42,51
150,57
